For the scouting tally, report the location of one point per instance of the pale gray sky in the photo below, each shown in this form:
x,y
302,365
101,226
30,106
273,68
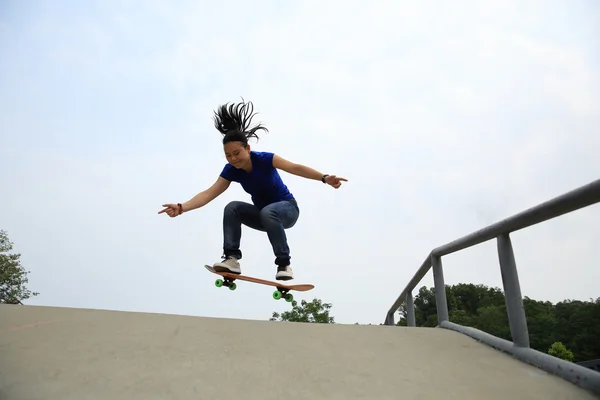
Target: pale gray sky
x,y
444,118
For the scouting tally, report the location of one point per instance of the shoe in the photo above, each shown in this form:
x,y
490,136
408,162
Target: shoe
x,y
284,273
230,264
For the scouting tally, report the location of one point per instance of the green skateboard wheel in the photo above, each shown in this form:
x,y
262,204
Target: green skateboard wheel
x,y
219,283
277,295
289,298
232,286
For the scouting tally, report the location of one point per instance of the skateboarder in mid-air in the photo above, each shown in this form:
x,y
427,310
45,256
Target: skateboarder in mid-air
x,y
274,208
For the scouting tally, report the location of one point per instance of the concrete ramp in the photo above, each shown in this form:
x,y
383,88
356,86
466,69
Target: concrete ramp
x,y
79,354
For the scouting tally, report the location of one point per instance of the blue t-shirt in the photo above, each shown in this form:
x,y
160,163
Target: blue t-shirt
x,y
263,183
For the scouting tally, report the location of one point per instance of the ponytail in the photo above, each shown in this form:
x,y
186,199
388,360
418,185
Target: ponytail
x,y
233,121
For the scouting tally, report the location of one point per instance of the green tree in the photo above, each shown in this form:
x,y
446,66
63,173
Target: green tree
x,y
578,327
13,277
314,312
541,323
559,350
493,320
425,307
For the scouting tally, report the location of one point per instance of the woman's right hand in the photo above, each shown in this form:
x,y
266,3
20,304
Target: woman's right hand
x,y
172,210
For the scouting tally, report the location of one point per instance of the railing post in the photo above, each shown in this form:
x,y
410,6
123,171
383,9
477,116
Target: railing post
x,y
440,289
512,290
389,319
410,309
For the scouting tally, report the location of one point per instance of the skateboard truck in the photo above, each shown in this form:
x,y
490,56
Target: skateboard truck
x,y
283,292
228,282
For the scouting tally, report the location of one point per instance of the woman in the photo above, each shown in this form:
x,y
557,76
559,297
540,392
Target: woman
x,y
274,208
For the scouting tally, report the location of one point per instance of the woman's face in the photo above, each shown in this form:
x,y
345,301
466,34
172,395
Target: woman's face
x,y
236,154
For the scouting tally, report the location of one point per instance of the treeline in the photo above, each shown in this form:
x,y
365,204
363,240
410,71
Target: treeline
x,y
575,324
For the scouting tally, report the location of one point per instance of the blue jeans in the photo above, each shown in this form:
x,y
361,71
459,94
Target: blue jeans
x,y
273,219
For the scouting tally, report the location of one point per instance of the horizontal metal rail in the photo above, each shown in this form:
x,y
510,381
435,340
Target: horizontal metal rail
x,y
574,200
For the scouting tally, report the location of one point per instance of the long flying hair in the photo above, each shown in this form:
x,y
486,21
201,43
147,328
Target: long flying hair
x,y
233,121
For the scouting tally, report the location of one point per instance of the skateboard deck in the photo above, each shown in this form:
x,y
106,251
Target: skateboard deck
x,y
281,292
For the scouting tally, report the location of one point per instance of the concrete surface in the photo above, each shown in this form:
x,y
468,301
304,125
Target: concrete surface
x,y
62,354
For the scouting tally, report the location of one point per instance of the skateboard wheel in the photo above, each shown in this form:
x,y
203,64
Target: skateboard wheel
x,y
277,295
232,286
219,283
289,298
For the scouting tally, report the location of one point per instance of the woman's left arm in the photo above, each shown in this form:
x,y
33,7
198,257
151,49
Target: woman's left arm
x,y
296,169
305,172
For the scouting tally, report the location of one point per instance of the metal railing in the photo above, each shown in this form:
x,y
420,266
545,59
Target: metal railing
x,y
574,200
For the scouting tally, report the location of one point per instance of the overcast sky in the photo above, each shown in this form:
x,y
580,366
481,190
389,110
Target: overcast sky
x,y
444,119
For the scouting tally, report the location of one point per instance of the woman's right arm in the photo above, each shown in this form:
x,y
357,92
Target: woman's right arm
x,y
205,197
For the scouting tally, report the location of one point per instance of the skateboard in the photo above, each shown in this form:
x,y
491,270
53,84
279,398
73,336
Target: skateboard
x,y
281,292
